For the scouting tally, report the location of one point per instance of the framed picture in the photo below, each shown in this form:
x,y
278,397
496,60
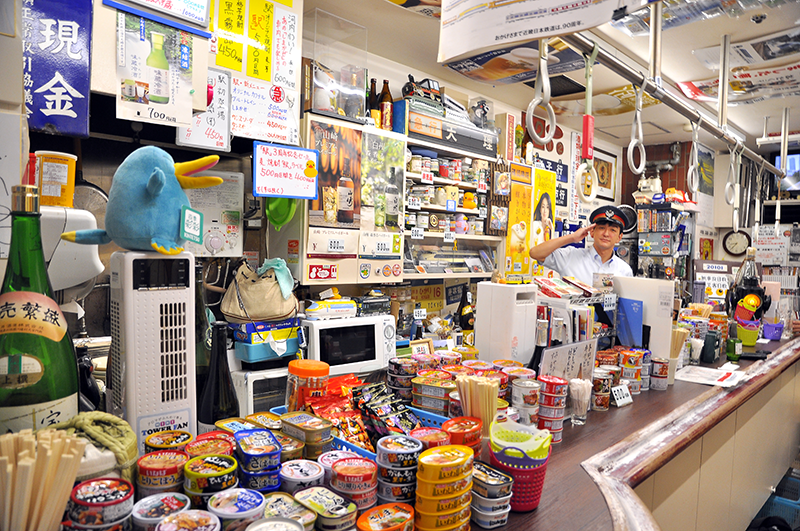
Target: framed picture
x,y
705,161
605,164
422,346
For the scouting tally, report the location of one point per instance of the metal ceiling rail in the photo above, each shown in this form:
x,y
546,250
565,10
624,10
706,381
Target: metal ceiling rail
x,y
585,45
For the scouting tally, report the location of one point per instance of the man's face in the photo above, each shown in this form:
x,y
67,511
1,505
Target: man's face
x,y
606,236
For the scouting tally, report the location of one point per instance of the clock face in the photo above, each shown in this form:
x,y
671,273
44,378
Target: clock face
x,y
736,243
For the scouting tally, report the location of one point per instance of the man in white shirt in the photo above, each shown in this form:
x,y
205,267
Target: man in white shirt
x,y
606,227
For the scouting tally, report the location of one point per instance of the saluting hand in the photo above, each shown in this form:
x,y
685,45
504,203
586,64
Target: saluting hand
x,y
580,234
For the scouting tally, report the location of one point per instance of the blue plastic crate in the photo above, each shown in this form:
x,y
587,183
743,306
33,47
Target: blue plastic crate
x,y
777,506
429,420
789,489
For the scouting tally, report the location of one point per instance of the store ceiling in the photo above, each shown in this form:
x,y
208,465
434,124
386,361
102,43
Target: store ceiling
x,y
411,39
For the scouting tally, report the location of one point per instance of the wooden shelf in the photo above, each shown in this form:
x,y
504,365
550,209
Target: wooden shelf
x,y
447,150
417,177
428,276
440,236
437,208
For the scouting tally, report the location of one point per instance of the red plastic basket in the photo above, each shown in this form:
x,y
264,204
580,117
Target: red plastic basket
x,y
528,482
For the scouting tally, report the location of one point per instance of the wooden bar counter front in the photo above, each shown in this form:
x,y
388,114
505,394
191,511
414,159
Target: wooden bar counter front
x,y
692,457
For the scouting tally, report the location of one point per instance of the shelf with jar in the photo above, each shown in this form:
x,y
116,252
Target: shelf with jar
x,y
443,236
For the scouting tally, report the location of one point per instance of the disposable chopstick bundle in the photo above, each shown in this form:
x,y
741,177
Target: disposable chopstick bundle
x,y
478,396
36,478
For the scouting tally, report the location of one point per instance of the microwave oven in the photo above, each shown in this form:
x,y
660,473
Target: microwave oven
x,y
351,345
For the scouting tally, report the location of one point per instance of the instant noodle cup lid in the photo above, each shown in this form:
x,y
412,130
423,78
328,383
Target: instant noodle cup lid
x,y
309,368
190,521
388,517
217,434
152,509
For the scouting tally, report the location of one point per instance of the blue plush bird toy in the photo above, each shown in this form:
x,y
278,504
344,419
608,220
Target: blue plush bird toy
x,y
145,202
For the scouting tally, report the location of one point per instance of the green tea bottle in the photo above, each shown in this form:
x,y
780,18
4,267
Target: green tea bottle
x,y
159,70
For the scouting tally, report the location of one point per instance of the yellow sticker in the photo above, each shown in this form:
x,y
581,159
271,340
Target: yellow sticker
x,y
259,30
26,312
231,23
287,3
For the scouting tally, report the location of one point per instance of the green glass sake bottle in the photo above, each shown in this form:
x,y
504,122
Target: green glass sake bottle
x,y
159,70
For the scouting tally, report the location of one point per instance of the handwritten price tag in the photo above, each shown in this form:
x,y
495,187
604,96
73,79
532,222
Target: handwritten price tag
x,y
335,246
420,313
449,237
482,212
427,177
482,187
417,234
414,203
609,302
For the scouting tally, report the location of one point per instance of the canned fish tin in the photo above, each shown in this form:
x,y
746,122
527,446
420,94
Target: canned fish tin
x,y
300,474
327,459
489,505
144,492
234,424
436,374
162,468
167,440
267,480
525,392
600,402
237,507
658,383
399,381
447,487
100,501
257,450
551,412
601,381
210,473
430,437
554,401
441,405
440,520
426,361
660,368
363,500
283,505
275,524
388,517
505,364
314,450
334,512
200,499
558,436
455,406
463,430
267,419
432,387
397,475
550,424
398,450
190,520
354,475
615,371
404,393
445,503
149,511
445,462
449,357
479,366
455,370
553,385
528,416
460,526
218,434
403,366
490,482
395,491
209,446
291,448
305,427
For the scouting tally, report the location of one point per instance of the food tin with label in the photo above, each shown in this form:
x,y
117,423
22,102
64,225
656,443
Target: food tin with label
x,y
504,391
455,370
363,500
167,440
632,373
658,383
267,419
630,358
234,424
291,448
645,383
305,427
490,505
200,499
327,459
403,366
395,491
398,451
388,517
149,511
314,450
405,393
209,446
191,520
554,400
218,434
467,352
432,387
354,474
436,374
479,366
439,405
440,520
504,364
660,367
615,371
449,357
455,406
100,501
445,462
636,385
264,480
646,369
403,382
426,361
210,473
551,412
397,475
334,512
490,482
528,416
521,373
553,385
525,392
143,492
447,487
464,430
550,424
162,468
558,436
283,505
237,507
444,504
490,520
600,402
257,450
601,381
606,358
430,437
300,474
275,524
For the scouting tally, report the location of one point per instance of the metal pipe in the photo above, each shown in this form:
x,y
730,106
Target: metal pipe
x,y
655,42
722,89
784,138
585,45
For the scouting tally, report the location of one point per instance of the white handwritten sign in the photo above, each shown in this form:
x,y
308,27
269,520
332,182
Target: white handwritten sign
x,y
574,360
264,112
211,129
280,171
285,53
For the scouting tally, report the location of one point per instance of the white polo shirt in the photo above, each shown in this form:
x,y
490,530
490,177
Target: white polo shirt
x,y
583,263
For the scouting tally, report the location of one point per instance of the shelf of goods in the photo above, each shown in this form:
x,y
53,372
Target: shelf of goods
x,y
477,237
437,208
430,276
417,177
448,150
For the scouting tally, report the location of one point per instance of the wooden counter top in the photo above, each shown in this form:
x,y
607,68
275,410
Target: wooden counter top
x,y
620,448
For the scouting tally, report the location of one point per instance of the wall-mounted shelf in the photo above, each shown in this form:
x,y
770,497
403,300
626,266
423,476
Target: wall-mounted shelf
x,y
417,177
431,276
437,208
440,235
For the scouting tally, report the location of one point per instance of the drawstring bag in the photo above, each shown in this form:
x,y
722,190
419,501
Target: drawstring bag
x,y
262,295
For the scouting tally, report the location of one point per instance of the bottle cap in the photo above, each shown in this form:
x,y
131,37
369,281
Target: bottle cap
x,y
24,198
306,368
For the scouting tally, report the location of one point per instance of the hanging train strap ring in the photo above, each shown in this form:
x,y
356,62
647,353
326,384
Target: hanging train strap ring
x,y
757,215
693,175
587,189
637,133
541,97
733,175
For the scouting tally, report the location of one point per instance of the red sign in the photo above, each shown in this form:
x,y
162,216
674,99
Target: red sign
x,y
322,272
277,94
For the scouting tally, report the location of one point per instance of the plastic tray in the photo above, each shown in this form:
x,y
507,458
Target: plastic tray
x,y
777,506
789,489
429,420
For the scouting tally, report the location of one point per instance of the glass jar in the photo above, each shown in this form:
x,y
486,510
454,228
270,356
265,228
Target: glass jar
x,y
416,164
306,378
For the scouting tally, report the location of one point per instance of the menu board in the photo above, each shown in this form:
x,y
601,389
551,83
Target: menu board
x,y
264,112
574,360
211,129
280,171
195,11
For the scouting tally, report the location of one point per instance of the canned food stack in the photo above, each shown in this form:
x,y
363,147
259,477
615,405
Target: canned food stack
x,y
300,474
631,363
400,373
191,519
327,460
291,448
659,374
283,505
646,372
504,390
237,508
601,389
167,440
552,404
314,432
397,457
207,475
150,511
491,496
432,394
465,431
259,457
356,478
430,437
478,367
525,399
387,517
105,502
334,512
444,488
160,472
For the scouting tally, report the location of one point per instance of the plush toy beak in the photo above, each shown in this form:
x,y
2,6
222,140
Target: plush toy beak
x,y
184,173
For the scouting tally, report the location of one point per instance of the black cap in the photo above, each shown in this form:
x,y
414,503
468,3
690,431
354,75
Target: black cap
x,y
609,214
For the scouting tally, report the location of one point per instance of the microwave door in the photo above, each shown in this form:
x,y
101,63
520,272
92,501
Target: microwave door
x,y
353,346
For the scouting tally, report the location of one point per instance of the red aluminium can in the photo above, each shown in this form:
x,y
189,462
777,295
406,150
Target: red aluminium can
x,y
553,385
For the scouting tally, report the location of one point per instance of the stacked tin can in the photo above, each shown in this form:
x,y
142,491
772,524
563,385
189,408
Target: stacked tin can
x,y
432,394
259,457
659,373
101,501
313,431
602,381
631,363
160,472
356,478
400,372
552,404
444,489
491,496
397,457
525,399
207,475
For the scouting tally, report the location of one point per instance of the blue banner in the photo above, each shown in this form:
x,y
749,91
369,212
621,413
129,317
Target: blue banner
x,y
56,40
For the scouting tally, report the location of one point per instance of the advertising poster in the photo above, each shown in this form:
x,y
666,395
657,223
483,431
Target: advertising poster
x,y
617,101
759,50
705,162
338,202
748,86
154,72
518,261
429,8
382,183
544,193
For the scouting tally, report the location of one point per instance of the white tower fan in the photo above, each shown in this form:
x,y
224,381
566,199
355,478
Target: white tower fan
x,y
151,371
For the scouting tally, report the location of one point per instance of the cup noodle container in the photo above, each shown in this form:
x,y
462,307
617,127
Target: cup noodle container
x,y
55,174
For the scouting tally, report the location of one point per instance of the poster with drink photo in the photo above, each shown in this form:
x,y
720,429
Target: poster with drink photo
x,y
338,202
382,181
